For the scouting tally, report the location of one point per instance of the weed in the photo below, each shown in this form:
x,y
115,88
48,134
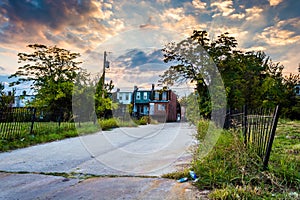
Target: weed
x,y
233,171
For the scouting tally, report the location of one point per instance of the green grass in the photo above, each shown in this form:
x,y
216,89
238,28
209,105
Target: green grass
x,y
18,135
45,132
232,171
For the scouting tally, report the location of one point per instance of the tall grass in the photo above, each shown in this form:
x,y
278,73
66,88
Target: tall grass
x,y
232,171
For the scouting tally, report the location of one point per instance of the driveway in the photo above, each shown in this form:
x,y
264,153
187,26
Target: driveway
x,y
124,153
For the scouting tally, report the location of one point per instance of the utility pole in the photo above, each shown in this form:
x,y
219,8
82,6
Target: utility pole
x,y
105,65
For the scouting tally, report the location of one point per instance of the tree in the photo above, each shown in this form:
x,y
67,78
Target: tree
x,y
190,62
103,101
249,78
6,101
51,72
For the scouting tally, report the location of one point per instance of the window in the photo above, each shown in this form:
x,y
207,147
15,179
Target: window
x,y
146,110
126,97
164,96
161,107
120,97
156,96
138,95
145,96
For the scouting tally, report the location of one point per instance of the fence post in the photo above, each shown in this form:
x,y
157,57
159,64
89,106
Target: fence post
x,y
60,115
32,120
245,123
270,142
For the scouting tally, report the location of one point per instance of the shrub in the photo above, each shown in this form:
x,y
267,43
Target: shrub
x,y
107,124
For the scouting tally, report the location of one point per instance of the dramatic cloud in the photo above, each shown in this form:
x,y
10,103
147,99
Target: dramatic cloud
x,y
91,27
68,22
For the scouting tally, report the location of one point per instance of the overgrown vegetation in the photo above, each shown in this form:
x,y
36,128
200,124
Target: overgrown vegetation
x,y
232,171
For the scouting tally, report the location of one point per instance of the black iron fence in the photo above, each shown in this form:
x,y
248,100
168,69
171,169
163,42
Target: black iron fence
x,y
258,127
17,122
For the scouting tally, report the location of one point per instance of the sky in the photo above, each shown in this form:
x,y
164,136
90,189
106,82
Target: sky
x,y
134,31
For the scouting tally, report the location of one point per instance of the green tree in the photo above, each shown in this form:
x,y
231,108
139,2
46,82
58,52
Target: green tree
x,y
51,72
249,78
190,62
83,97
103,99
6,100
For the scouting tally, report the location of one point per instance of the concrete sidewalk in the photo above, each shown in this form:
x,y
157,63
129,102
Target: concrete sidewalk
x,y
36,186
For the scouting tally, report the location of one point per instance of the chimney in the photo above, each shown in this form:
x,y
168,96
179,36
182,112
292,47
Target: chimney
x,y
153,86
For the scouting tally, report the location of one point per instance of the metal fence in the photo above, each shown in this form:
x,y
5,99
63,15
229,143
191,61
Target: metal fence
x,y
17,122
258,128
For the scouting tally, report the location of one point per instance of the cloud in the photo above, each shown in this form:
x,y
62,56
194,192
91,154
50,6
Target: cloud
x,y
237,16
275,2
225,8
149,24
198,4
290,60
163,1
67,22
136,58
2,68
255,48
279,34
253,13
173,14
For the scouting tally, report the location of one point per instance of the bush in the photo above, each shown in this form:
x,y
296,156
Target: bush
x,y
107,124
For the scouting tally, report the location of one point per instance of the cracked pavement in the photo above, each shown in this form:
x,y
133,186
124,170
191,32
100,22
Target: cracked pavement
x,y
131,161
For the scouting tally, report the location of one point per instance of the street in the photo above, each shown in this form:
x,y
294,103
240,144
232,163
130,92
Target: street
x,y
150,150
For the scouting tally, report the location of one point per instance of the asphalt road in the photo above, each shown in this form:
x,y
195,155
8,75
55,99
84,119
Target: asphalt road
x,y
150,150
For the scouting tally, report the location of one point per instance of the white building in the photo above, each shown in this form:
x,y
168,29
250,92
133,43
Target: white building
x,y
124,97
23,100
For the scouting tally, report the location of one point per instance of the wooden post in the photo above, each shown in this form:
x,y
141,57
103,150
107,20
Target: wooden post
x,y
32,120
270,142
245,124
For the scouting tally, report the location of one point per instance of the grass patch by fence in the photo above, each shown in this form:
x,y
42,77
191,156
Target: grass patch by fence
x,y
46,132
233,171
52,131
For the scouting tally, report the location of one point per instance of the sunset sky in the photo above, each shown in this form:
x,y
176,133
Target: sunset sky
x,y
135,31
